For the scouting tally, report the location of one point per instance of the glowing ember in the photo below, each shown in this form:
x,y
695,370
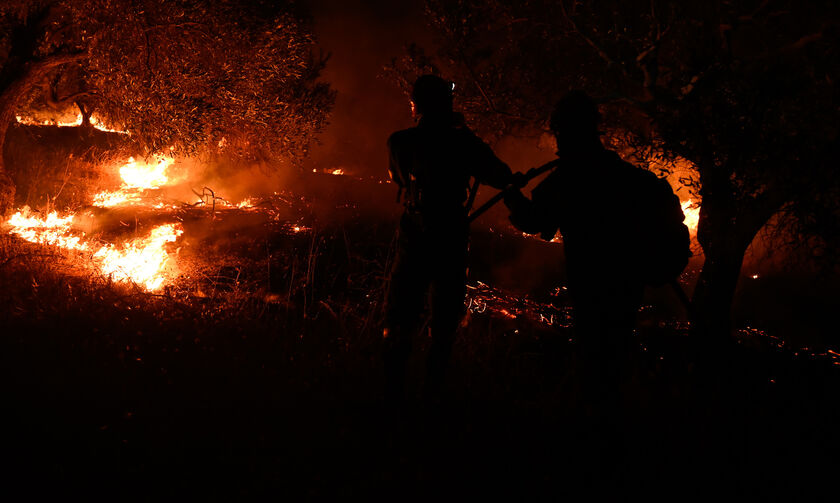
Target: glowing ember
x,y
482,298
692,215
107,199
142,261
30,121
73,123
95,122
246,203
137,177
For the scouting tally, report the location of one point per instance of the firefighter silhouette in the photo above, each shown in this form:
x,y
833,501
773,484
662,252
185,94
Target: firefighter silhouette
x,y
432,164
586,200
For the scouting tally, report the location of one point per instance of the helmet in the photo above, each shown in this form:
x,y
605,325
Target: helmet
x,y
432,94
576,111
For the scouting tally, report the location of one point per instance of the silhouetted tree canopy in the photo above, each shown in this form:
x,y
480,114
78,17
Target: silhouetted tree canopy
x,y
745,91
183,75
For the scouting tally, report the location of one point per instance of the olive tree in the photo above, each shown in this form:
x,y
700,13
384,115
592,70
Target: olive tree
x,y
180,76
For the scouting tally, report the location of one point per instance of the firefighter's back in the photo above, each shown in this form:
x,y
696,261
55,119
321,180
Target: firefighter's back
x,y
434,162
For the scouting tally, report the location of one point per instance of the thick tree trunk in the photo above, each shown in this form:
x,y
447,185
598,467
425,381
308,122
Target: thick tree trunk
x,y
715,290
725,231
86,112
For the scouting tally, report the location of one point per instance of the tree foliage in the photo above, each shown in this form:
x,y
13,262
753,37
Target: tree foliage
x,y
181,75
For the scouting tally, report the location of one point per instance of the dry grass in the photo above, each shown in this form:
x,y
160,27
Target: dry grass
x,y
259,371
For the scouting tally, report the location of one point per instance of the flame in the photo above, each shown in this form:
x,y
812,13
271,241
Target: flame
x,y
108,199
246,203
96,123
74,122
142,261
146,175
53,230
137,177
31,121
692,215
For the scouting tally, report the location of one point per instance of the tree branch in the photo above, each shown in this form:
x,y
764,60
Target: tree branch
x,y
49,62
58,102
601,52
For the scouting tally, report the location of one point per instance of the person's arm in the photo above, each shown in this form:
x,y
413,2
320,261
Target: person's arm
x,y
394,168
489,169
531,216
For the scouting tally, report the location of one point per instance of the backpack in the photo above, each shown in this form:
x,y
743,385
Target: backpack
x,y
663,243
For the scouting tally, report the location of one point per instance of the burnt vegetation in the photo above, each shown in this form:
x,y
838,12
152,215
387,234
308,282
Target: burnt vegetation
x,y
255,371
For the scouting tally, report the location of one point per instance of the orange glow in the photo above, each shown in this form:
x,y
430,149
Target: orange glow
x,y
246,203
68,120
145,175
137,177
692,216
107,199
29,121
76,122
97,123
52,230
143,261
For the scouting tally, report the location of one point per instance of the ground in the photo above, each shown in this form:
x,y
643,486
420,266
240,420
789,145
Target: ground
x,y
257,373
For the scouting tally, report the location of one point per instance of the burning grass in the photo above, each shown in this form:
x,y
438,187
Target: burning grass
x,y
143,260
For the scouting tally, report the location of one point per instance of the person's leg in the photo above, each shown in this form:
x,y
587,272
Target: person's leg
x,y
404,305
447,293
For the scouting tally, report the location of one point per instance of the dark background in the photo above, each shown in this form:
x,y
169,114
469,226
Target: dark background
x,y
362,37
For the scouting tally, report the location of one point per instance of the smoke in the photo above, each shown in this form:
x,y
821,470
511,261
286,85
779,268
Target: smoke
x,y
230,179
362,37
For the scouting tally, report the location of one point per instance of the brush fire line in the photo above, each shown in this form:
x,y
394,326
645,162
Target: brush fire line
x,y
75,121
144,261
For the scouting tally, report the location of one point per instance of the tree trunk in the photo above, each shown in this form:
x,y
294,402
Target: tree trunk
x,y
30,74
715,290
86,113
8,99
726,229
